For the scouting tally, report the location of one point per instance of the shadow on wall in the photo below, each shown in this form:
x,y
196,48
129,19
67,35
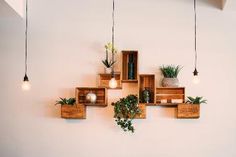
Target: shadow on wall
x,y
6,11
214,3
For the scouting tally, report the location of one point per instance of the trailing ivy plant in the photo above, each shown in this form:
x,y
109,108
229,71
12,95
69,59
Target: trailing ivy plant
x,y
64,101
170,71
125,111
196,100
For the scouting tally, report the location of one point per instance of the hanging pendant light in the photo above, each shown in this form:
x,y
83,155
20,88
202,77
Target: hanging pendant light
x,y
113,82
26,84
196,79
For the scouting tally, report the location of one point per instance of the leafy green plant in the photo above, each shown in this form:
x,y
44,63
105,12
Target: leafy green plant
x,y
196,100
170,71
125,111
64,101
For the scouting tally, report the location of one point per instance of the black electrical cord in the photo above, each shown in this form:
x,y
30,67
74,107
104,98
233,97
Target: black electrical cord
x,y
26,42
113,37
195,39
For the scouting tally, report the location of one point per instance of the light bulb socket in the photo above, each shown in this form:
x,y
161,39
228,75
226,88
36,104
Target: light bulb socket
x,y
195,73
112,74
26,78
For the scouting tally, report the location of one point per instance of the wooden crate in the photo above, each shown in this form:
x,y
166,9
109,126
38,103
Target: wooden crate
x,y
188,111
77,111
142,107
125,60
169,94
101,93
147,81
105,78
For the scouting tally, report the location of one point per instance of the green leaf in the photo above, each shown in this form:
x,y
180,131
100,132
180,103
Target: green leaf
x,y
170,71
125,111
64,101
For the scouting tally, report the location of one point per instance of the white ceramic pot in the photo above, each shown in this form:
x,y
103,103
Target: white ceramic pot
x,y
170,82
107,70
91,97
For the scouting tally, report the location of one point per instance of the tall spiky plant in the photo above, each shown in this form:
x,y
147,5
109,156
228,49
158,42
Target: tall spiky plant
x,y
170,71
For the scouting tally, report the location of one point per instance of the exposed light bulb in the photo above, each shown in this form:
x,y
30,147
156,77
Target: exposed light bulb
x,y
26,84
196,79
113,83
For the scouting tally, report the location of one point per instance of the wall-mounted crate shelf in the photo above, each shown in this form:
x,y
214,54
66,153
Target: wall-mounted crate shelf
x,y
127,57
105,78
142,107
170,96
191,111
101,94
147,81
77,111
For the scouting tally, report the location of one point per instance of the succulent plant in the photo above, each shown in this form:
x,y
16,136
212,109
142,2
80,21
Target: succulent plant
x,y
64,101
196,100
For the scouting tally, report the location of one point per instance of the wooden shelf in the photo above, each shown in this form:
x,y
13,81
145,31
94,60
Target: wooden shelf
x,y
105,78
171,96
125,60
77,111
191,111
129,81
167,104
147,81
101,94
142,107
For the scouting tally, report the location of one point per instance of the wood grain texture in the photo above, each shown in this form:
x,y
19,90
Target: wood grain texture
x,y
105,78
170,94
101,93
125,60
147,81
142,107
73,111
188,111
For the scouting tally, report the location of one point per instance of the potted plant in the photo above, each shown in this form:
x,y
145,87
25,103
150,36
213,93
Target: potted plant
x,y
71,110
197,100
64,101
170,73
125,110
191,109
107,62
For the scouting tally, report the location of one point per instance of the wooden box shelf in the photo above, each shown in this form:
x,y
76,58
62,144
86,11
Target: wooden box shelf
x,y
77,111
188,111
142,107
170,96
147,81
125,66
101,93
105,78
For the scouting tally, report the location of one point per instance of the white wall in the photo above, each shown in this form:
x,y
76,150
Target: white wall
x,y
66,41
